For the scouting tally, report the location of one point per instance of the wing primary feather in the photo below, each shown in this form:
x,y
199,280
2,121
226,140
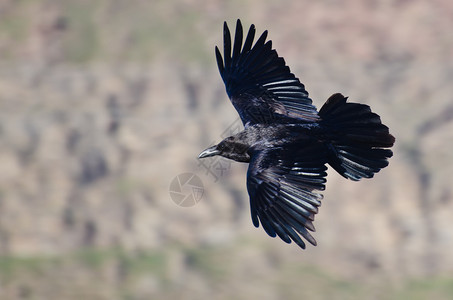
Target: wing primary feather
x,y
300,228
254,213
302,200
298,217
291,224
279,228
226,45
261,39
237,42
258,51
298,209
249,39
266,225
287,228
219,61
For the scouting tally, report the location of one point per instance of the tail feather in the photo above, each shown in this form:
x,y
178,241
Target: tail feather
x,y
357,138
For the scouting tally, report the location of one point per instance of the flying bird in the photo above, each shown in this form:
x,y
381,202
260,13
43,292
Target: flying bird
x,y
287,142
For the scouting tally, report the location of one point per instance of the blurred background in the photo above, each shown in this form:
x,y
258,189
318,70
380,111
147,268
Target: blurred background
x,y
104,103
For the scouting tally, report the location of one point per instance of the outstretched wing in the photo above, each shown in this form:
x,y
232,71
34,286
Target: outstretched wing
x,y
283,185
258,82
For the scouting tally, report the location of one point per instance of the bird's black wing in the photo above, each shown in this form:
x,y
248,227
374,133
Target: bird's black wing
x,y
258,82
283,185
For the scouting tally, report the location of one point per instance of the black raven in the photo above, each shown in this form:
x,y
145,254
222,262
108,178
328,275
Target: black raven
x,y
287,142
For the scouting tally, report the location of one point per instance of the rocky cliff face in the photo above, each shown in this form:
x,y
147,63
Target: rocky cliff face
x,y
91,137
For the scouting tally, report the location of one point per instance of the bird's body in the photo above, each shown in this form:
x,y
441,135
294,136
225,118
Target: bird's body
x,y
287,142
261,136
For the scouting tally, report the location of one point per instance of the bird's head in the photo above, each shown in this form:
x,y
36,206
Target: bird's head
x,y
230,148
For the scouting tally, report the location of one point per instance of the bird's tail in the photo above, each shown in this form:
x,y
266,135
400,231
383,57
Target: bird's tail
x,y
357,138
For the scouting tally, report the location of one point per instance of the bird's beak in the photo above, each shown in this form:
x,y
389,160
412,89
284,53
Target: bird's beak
x,y
211,151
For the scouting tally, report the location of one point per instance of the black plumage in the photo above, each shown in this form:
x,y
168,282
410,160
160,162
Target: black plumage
x,y
287,142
